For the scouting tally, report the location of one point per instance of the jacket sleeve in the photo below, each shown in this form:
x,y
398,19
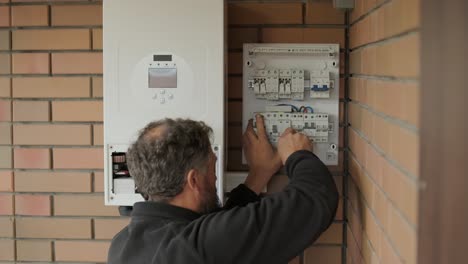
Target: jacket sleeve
x,y
241,196
276,228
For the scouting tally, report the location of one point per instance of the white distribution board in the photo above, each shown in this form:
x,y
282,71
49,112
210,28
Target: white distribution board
x,y
295,85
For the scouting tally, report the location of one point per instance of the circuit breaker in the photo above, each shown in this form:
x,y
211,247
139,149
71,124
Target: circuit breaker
x,y
162,58
294,85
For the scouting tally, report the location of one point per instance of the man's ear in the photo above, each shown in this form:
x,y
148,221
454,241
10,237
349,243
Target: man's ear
x,y
193,179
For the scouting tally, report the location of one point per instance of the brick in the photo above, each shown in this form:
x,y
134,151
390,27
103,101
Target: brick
x,y
368,252
5,157
265,13
5,87
324,35
73,251
108,228
339,211
5,63
50,227
389,255
6,204
353,252
76,15
97,87
13,1
5,134
234,162
406,57
6,226
51,39
235,112
235,87
34,134
403,236
97,39
4,40
98,135
323,13
355,62
31,111
26,204
409,12
330,255
98,182
333,235
29,16
82,205
373,164
4,16
51,87
31,158
30,63
29,181
404,148
235,136
77,111
78,158
410,103
83,63
380,205
30,250
382,134
283,35
238,36
6,181
372,229
396,99
235,62
355,225
402,191
7,248
5,110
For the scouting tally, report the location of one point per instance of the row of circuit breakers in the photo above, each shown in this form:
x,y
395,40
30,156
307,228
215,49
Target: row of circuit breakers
x,y
294,85
276,84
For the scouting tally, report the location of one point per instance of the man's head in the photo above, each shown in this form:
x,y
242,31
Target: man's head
x,y
172,161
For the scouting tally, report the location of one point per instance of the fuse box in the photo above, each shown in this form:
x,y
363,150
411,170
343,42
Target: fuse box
x,y
294,85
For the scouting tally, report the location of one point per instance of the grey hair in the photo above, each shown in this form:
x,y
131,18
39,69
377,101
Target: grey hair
x,y
159,162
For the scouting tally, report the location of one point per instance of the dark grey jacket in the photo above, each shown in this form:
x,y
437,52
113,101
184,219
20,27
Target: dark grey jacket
x,y
270,230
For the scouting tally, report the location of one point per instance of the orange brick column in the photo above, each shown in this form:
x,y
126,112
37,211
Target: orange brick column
x,y
384,132
51,181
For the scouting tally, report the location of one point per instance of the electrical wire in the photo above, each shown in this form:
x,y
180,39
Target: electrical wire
x,y
294,108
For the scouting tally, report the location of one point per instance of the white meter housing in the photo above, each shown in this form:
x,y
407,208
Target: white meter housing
x,y
162,58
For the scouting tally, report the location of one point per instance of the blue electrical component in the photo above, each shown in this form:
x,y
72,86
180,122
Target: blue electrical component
x,y
316,88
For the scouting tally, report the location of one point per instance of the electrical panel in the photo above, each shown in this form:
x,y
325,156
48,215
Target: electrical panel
x,y
156,67
294,85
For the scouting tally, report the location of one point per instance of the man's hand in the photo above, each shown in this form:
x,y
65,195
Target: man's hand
x,y
263,160
290,142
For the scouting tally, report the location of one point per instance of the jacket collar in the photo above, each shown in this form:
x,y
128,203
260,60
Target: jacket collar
x,y
159,209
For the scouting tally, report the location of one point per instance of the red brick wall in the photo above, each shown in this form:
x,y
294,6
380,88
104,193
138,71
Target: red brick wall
x,y
384,133
51,158
51,205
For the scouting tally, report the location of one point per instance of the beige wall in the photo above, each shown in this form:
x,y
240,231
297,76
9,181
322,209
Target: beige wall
x,y
384,131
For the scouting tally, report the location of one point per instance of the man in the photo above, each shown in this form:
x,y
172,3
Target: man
x,y
174,166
